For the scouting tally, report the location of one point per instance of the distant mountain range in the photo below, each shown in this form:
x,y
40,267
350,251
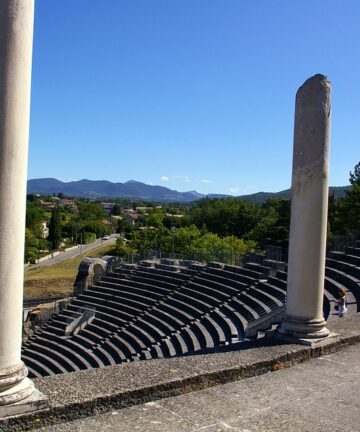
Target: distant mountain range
x,y
101,189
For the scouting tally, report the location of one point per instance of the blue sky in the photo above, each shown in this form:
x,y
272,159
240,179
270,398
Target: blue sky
x,y
188,94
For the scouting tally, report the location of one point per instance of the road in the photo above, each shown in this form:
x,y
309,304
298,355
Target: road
x,y
72,253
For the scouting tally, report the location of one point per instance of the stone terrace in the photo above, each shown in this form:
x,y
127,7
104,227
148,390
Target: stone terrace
x,y
91,392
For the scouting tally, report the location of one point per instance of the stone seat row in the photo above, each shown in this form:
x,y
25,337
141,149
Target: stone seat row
x,y
195,317
150,312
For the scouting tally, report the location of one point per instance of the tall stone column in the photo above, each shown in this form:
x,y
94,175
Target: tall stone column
x,y
16,35
307,246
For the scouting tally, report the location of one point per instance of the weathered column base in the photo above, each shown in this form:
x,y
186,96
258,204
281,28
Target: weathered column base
x,y
17,392
36,401
303,329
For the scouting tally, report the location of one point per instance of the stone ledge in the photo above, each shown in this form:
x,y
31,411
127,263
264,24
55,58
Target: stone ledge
x,y
82,394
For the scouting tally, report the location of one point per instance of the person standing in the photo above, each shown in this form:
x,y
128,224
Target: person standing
x,y
342,302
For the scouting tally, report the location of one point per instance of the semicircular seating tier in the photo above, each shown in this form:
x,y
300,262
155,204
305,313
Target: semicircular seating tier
x,y
164,309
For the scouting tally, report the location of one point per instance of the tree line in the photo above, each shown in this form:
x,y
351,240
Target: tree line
x,y
230,225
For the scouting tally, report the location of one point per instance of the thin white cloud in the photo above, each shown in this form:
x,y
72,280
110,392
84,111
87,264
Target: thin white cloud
x,y
164,178
66,179
234,190
206,181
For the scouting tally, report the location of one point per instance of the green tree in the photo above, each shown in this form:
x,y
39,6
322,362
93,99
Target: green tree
x,y
34,217
351,201
122,248
155,218
116,210
273,225
55,228
225,216
90,210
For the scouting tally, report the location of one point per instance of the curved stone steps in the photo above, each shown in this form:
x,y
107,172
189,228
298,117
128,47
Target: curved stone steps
x,y
149,328
353,251
126,347
190,339
173,278
172,320
142,334
274,291
345,257
255,303
329,311
236,318
118,299
243,308
145,296
50,359
84,353
107,309
349,282
180,311
153,282
142,300
128,311
94,342
230,279
77,354
215,329
36,369
349,269
205,296
280,275
188,299
179,343
165,326
59,356
116,353
106,355
252,270
332,290
237,276
218,292
231,329
203,339
219,284
265,297
146,288
179,276
95,327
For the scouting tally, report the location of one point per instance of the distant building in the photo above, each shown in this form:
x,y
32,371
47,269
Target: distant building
x,y
174,215
115,218
69,204
46,205
107,206
131,218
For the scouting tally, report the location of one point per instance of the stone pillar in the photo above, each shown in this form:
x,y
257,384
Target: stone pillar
x,y
307,245
16,34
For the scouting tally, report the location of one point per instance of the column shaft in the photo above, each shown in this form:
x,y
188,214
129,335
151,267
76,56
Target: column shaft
x,y
307,245
16,36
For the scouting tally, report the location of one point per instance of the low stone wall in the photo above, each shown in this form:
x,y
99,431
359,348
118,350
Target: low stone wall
x,y
71,248
46,257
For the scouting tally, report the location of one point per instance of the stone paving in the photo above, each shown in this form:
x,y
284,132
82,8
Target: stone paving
x,y
320,395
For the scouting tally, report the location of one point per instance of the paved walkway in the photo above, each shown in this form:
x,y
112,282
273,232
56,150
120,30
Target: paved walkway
x,y
74,252
320,395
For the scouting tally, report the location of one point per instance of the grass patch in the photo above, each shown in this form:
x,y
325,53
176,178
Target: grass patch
x,y
58,278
